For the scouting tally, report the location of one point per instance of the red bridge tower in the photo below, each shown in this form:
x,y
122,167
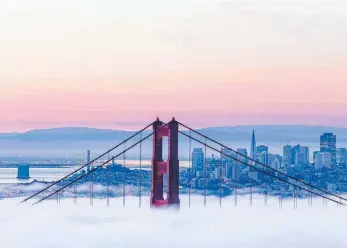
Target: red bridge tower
x,y
160,167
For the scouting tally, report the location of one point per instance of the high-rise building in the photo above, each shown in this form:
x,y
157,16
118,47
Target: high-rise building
x,y
243,156
323,159
315,155
290,155
341,157
275,161
264,158
263,154
295,149
275,164
219,172
253,147
243,151
236,172
88,160
253,151
300,158
262,148
306,151
287,155
228,170
198,159
328,144
227,152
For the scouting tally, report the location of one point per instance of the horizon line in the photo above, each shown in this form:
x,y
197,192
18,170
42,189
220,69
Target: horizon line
x,y
200,127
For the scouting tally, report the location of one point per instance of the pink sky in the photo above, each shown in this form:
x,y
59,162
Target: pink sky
x,y
119,65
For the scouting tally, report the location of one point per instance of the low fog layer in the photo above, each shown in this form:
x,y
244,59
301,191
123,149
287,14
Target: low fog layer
x,y
67,225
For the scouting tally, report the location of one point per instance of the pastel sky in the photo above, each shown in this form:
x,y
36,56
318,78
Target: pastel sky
x,y
119,64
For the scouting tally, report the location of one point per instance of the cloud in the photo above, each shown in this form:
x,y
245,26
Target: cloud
x,y
67,225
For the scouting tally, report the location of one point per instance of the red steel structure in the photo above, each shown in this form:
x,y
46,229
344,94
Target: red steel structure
x,y
169,167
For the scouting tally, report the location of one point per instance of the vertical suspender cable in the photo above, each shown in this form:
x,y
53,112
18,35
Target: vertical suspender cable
x,y
140,174
58,196
125,147
42,197
108,185
294,196
75,193
312,197
309,197
220,184
236,168
92,190
189,168
250,189
266,188
205,175
280,196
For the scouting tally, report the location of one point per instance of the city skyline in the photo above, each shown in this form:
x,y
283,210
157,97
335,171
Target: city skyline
x,y
151,123
80,64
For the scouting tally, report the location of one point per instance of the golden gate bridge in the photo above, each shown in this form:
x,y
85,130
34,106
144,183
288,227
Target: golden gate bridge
x,y
165,174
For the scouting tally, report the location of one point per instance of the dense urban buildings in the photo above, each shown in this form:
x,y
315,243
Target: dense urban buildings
x,y
328,144
230,170
198,160
341,157
321,169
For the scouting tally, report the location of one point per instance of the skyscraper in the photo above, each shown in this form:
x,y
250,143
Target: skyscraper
x,y
244,152
296,155
264,158
253,156
260,150
328,144
88,160
341,157
323,159
275,161
227,152
198,159
253,147
300,158
253,152
287,155
236,169
315,155
306,151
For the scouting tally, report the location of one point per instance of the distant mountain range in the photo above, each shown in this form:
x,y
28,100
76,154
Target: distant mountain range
x,y
264,133
74,141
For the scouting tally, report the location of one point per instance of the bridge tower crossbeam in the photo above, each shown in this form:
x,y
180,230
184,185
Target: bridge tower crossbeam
x,y
169,167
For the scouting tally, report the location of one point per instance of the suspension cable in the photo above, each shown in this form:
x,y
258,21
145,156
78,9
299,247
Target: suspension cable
x,y
88,163
261,164
92,170
264,172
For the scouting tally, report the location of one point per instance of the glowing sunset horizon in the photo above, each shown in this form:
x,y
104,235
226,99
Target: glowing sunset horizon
x,y
109,64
